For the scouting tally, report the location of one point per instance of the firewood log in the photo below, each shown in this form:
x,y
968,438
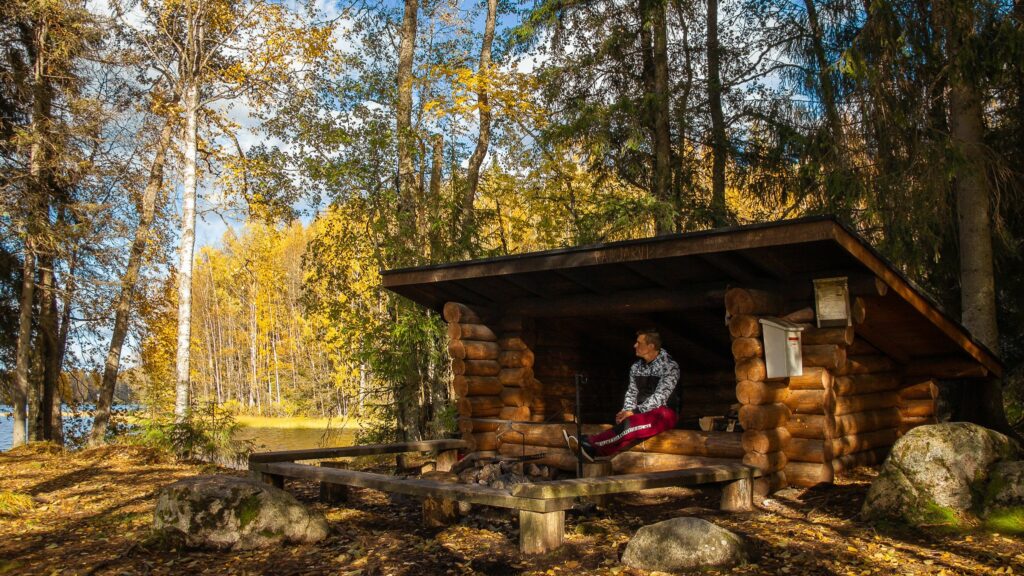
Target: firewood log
x,y
476,386
560,458
764,417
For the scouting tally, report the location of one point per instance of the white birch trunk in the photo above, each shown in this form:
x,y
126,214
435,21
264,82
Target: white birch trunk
x,y
185,252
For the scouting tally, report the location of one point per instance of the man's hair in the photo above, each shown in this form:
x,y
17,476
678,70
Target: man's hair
x,y
651,336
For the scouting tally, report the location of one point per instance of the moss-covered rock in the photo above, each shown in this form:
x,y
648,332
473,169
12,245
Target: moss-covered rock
x,y
937,475
1003,507
225,512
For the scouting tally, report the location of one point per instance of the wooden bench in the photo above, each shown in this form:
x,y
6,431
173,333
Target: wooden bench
x,y
541,506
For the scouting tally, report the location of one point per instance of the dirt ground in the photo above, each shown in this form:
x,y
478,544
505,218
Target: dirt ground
x,y
90,513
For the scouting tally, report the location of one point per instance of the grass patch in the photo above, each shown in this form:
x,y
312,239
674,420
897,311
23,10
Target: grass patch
x,y
294,422
1006,521
14,503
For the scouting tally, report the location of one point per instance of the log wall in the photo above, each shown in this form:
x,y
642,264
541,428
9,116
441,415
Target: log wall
x,y
917,402
475,352
763,411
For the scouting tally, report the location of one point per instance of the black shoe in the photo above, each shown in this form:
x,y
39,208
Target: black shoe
x,y
587,451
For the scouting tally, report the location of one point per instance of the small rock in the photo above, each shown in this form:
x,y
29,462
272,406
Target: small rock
x,y
682,544
225,512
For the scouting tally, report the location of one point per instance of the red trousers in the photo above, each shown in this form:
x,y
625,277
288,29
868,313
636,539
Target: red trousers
x,y
632,431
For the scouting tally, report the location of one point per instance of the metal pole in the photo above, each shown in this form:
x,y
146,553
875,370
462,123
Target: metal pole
x,y
579,379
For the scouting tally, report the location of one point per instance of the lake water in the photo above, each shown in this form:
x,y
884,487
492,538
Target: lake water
x,y
263,439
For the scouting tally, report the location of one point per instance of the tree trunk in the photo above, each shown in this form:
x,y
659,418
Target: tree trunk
x,y
434,236
484,137
719,152
123,304
661,110
403,112
49,350
185,251
977,280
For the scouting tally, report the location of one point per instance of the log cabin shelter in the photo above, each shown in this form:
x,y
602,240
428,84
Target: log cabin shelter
x,y
872,347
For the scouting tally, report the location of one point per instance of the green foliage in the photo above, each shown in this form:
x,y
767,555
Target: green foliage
x,y
207,435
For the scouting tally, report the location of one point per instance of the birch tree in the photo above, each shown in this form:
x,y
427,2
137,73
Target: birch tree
x,y
210,51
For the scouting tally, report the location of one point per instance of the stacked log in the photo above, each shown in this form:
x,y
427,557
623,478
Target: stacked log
x,y
917,400
866,419
515,361
474,351
811,401
558,359
763,411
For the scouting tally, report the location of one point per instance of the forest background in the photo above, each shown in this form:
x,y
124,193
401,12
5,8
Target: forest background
x,y
339,139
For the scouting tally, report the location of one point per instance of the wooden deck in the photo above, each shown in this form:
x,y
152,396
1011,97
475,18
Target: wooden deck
x,y
541,506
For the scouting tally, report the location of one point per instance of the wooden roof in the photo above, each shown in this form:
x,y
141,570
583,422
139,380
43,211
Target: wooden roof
x,y
684,276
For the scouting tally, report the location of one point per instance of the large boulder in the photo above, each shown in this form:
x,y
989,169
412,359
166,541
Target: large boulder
x,y
226,512
937,475
683,543
1003,507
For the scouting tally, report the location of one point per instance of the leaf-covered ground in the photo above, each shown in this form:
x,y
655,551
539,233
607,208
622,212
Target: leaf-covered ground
x,y
90,512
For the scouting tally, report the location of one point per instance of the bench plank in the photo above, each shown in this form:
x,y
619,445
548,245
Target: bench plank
x,y
633,482
473,493
363,450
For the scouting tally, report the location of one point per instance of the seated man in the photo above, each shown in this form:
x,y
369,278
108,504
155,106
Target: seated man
x,y
644,413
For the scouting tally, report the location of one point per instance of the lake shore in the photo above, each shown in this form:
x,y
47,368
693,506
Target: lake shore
x,y
90,512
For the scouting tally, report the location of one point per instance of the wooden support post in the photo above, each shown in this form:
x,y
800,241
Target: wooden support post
x,y
333,493
275,480
440,511
738,495
540,532
601,467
